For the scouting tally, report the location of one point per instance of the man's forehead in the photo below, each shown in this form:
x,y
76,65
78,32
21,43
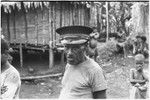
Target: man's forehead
x,y
139,61
74,45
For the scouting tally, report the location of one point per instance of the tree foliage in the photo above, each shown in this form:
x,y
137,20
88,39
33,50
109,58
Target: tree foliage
x,y
119,13
138,24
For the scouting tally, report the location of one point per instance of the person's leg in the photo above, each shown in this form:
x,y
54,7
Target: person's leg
x,y
145,53
132,92
143,94
137,94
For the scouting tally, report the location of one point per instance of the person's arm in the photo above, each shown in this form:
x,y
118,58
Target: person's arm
x,y
11,85
146,78
99,94
134,48
143,87
132,80
137,81
96,54
145,47
98,83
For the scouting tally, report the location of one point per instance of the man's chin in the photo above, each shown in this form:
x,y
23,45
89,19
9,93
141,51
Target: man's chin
x,y
139,69
71,62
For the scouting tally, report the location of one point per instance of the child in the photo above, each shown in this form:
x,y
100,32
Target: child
x,y
92,51
138,79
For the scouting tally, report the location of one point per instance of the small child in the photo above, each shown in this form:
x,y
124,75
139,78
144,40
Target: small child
x,y
92,51
138,79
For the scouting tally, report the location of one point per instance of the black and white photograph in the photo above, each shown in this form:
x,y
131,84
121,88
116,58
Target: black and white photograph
x,y
74,49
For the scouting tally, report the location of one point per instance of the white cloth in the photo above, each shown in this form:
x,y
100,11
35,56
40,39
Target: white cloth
x,y
10,79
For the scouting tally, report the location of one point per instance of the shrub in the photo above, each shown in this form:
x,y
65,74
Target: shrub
x,y
107,51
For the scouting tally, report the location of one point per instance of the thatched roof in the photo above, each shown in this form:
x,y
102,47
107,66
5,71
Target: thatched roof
x,y
8,6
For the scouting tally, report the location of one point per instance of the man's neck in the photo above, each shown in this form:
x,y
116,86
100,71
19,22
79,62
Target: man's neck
x,y
83,60
139,71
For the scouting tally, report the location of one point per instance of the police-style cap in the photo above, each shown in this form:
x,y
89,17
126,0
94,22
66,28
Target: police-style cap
x,y
74,34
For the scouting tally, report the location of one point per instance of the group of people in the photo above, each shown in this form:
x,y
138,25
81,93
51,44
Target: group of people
x,y
136,46
83,76
140,46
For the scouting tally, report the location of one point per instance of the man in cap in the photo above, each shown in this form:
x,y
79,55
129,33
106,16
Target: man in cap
x,y
10,77
83,77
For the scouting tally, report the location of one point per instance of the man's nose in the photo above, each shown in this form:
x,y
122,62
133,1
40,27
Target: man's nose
x,y
69,51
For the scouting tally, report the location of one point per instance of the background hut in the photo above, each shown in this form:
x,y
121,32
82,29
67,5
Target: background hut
x,y
31,25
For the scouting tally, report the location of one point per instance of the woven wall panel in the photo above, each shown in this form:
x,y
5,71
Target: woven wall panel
x,y
40,27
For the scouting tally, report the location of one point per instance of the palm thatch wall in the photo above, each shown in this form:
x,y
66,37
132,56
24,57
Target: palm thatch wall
x,y
31,25
35,22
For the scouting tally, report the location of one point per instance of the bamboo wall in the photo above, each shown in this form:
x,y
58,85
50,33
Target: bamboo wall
x,y
37,26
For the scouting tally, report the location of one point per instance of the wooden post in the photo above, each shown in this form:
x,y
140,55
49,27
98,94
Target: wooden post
x,y
43,30
21,54
100,18
107,27
36,27
25,21
51,57
54,24
62,57
14,24
61,14
8,29
26,26
50,37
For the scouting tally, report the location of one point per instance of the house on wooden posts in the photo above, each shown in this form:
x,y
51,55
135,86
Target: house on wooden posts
x,y
32,25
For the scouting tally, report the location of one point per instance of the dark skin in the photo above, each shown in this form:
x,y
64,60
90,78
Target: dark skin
x,y
4,61
4,66
133,81
75,55
139,69
99,94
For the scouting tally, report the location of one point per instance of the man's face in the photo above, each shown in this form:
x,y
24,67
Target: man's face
x,y
4,58
139,39
139,65
74,53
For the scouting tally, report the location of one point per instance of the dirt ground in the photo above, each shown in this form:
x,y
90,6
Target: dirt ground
x,y
116,71
40,89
